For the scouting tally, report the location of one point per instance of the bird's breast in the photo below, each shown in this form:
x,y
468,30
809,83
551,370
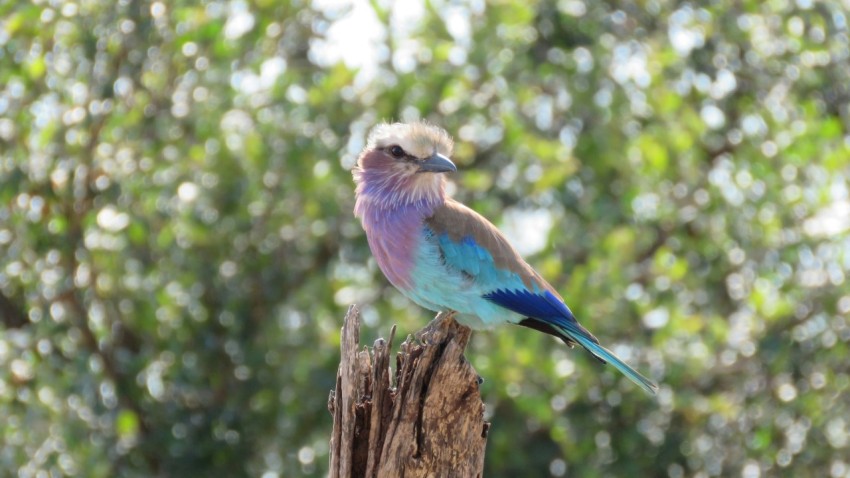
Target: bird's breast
x,y
393,239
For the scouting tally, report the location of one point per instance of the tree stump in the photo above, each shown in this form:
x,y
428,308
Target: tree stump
x,y
427,421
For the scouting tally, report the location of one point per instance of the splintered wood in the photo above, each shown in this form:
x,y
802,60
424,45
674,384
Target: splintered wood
x,y
427,420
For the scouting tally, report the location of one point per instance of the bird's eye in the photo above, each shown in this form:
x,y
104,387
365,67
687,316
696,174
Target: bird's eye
x,y
396,151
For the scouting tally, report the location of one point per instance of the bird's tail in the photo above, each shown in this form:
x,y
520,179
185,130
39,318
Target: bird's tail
x,y
577,335
548,313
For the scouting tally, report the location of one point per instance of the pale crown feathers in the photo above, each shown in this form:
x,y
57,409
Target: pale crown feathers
x,y
419,139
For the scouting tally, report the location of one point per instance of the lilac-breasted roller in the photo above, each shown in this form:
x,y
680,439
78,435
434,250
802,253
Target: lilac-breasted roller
x,y
443,255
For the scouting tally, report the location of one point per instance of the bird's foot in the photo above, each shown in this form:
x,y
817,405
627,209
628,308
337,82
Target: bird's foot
x,y
424,335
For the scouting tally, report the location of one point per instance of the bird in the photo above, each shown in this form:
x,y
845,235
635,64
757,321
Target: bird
x,y
444,256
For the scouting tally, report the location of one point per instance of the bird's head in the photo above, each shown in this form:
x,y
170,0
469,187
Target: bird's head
x,y
402,163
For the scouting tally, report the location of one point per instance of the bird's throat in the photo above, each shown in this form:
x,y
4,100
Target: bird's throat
x,y
394,231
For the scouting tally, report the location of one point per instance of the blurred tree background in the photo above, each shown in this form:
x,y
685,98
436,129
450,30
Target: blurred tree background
x,y
177,247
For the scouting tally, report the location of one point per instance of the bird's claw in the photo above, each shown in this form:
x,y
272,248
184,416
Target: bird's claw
x,y
424,335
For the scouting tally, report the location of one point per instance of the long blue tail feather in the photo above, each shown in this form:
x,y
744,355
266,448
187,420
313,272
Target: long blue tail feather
x,y
606,355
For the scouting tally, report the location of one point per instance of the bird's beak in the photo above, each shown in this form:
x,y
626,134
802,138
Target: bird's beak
x,y
437,163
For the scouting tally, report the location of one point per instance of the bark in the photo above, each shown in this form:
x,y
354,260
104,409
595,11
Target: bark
x,y
425,420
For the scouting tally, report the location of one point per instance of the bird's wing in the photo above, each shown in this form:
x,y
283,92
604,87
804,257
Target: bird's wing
x,y
474,246
469,243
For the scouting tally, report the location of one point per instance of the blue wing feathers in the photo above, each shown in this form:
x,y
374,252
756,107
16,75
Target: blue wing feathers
x,y
469,257
548,309
530,304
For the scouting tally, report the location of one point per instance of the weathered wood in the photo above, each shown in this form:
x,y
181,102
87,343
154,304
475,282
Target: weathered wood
x,y
344,397
428,421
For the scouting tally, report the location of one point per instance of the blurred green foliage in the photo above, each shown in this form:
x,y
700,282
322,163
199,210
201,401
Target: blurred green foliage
x,y
177,247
